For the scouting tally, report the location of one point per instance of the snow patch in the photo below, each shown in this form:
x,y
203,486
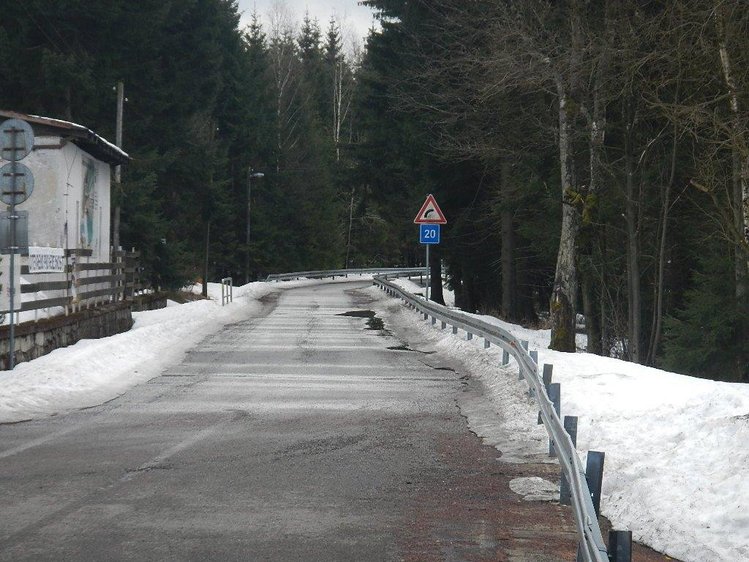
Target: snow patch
x,y
535,489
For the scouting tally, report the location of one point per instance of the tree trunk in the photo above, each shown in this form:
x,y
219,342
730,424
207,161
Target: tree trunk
x,y
633,251
739,195
592,322
509,308
740,191
597,126
435,276
456,281
563,306
350,224
564,294
204,290
656,327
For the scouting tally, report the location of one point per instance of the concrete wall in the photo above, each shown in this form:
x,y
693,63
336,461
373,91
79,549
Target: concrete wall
x,y
34,339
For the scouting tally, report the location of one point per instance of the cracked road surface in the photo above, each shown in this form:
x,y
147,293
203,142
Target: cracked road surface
x,y
303,434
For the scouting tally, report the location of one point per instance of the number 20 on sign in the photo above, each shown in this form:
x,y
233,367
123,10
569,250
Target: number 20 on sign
x,y
429,234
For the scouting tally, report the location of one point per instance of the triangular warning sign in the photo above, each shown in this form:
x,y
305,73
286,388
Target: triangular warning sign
x,y
430,212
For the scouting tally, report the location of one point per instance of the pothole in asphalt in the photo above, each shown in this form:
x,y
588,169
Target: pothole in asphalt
x,y
373,322
404,347
439,367
359,313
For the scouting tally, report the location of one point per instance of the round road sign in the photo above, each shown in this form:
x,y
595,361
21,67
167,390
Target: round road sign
x,y
15,193
16,140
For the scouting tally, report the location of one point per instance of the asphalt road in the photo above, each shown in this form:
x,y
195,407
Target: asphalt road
x,y
305,434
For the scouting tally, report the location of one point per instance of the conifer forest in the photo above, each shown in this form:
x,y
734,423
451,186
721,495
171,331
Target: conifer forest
x,y
592,158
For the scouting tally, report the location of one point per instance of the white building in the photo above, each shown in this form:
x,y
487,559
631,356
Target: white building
x,y
69,208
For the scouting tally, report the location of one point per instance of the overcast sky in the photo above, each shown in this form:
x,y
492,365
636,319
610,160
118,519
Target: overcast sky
x,y
356,20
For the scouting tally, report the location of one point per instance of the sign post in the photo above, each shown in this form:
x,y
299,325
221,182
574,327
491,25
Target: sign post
x,y
16,185
429,218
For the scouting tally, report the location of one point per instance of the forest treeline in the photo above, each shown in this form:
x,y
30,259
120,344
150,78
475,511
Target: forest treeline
x,y
591,157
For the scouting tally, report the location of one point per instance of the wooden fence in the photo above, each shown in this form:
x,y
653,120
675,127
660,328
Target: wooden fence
x,y
84,283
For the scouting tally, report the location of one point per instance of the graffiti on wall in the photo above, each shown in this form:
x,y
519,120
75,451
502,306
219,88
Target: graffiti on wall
x,y
88,205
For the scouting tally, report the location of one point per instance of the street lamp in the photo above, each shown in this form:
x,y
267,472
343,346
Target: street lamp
x,y
250,174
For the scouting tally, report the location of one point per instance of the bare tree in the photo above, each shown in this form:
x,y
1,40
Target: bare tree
x,y
285,68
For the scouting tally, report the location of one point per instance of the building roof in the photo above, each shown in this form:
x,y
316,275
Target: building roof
x,y
85,138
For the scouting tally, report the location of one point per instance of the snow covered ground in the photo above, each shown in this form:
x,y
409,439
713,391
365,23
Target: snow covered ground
x,y
677,448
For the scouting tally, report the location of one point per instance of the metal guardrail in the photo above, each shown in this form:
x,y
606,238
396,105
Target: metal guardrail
x,y
396,271
592,548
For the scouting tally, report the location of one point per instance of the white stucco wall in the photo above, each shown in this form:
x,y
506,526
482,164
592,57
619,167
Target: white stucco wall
x,y
73,188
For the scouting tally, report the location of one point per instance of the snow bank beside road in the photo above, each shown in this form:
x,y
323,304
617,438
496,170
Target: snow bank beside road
x,y
94,371
677,447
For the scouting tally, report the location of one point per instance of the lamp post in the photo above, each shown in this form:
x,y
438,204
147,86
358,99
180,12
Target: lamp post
x,y
250,174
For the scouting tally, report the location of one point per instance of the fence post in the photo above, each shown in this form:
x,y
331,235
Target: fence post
x,y
548,369
555,395
620,546
547,373
570,426
594,476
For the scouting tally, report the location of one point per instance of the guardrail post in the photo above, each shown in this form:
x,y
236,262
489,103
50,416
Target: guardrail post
x,y
469,336
594,476
565,494
548,370
534,356
444,324
455,329
487,343
620,546
505,357
524,343
434,320
555,395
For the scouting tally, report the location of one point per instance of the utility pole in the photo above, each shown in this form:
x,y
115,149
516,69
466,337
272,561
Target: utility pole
x,y
118,168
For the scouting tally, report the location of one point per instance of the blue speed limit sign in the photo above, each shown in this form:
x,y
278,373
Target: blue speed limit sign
x,y
429,234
